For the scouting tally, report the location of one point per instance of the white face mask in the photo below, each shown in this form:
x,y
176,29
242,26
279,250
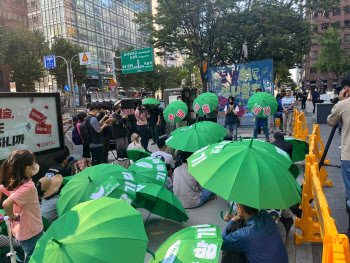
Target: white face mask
x,y
97,114
37,167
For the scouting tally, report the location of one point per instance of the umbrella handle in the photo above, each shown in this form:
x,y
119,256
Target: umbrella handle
x,y
8,218
222,212
153,255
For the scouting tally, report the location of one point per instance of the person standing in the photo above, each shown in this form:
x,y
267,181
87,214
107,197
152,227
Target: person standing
x,y
95,129
86,148
303,99
154,121
287,105
118,128
231,119
23,200
141,115
106,139
315,98
341,113
264,122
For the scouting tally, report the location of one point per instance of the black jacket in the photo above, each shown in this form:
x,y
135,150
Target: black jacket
x,y
118,127
285,146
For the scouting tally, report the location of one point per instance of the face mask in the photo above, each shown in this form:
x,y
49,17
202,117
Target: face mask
x,y
231,103
37,167
98,114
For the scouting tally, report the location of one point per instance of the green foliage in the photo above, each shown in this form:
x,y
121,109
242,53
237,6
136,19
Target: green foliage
x,y
332,57
215,30
64,48
23,51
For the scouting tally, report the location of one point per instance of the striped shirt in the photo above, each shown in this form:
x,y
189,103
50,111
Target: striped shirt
x,y
287,102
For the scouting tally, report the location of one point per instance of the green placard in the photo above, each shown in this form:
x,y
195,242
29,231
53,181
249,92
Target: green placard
x,y
135,61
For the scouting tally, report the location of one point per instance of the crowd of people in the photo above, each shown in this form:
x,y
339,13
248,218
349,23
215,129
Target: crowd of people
x,y
250,235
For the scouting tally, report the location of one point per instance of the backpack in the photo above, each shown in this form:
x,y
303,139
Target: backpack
x,y
85,131
76,137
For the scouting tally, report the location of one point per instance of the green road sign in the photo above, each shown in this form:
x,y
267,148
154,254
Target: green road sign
x,y
135,61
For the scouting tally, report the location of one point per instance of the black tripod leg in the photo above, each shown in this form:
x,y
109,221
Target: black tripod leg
x,y
330,138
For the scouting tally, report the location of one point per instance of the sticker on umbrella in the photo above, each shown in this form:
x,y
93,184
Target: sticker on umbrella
x,y
196,107
206,109
193,244
180,114
171,117
145,165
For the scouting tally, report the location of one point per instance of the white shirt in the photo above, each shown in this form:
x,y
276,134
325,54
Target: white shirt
x,y
167,157
135,145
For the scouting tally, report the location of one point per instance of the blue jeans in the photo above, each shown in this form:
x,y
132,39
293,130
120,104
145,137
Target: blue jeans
x,y
231,127
256,128
29,245
154,132
96,155
206,194
345,170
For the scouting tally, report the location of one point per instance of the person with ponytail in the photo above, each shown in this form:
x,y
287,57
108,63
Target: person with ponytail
x,y
22,204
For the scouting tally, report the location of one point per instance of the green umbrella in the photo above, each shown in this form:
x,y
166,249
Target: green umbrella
x,y
300,149
67,179
150,170
150,101
215,130
175,112
262,104
81,187
294,170
103,230
194,137
192,244
160,201
250,172
137,154
205,103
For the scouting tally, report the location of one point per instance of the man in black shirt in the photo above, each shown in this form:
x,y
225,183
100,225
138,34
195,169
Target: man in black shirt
x,y
303,99
106,131
154,121
282,144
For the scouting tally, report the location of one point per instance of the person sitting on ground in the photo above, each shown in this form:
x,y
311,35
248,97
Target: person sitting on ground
x,y
282,144
48,191
61,167
135,142
186,187
122,158
161,153
260,239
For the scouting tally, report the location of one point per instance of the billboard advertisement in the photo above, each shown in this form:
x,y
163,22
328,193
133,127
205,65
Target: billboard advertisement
x,y
30,121
240,81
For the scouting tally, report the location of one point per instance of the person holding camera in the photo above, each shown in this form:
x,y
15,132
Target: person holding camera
x,y
231,119
141,115
341,113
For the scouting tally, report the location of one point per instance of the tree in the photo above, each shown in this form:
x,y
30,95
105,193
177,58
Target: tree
x,y
64,48
215,31
332,57
23,50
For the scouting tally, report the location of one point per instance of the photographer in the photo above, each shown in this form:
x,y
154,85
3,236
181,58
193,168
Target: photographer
x,y
341,113
141,115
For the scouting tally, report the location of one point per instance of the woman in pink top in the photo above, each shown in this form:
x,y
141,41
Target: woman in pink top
x,y
141,115
23,202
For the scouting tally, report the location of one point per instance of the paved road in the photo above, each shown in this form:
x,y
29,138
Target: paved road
x,y
159,229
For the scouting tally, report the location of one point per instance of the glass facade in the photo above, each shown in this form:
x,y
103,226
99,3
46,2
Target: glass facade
x,y
99,26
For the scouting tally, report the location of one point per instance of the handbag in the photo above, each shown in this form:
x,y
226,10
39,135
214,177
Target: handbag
x,y
82,165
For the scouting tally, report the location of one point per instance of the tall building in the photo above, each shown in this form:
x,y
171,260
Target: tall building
x,y
99,26
13,13
321,21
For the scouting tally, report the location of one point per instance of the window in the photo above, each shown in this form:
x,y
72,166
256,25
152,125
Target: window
x,y
347,9
325,14
313,71
314,54
347,23
314,15
325,26
336,25
347,38
337,12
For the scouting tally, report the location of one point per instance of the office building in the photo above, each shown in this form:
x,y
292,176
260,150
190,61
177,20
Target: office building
x,y
99,26
339,18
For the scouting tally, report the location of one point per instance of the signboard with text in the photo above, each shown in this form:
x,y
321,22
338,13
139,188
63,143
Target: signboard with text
x,y
136,61
30,121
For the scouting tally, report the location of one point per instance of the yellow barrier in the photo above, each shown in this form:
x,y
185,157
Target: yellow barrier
x,y
300,131
335,245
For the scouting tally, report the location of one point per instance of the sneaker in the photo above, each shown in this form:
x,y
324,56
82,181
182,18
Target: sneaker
x,y
153,143
284,133
211,197
267,140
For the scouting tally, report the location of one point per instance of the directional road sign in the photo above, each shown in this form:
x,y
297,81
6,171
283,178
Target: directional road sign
x,y
135,61
50,61
66,88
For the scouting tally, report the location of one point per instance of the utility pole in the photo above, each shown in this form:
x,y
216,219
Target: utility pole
x,y
74,106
